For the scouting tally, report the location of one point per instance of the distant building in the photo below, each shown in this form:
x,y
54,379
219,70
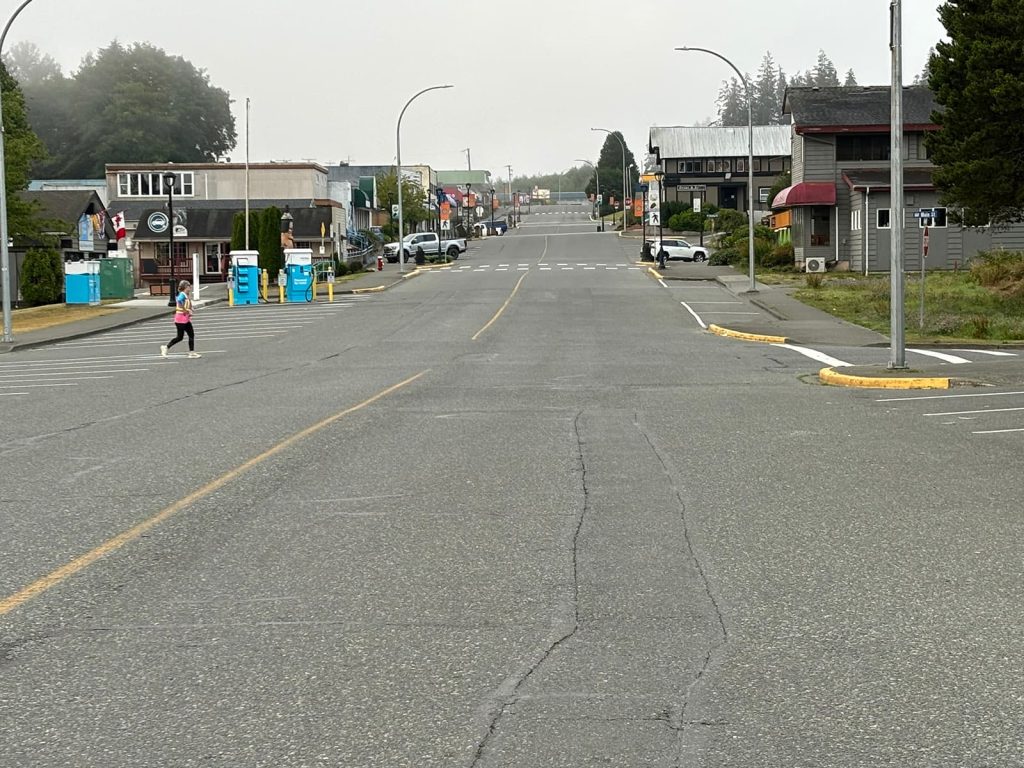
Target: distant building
x,y
710,162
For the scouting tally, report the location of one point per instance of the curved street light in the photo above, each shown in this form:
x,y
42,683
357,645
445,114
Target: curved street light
x,y
5,254
623,145
597,188
398,169
750,157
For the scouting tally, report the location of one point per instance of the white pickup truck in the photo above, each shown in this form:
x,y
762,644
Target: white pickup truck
x,y
427,242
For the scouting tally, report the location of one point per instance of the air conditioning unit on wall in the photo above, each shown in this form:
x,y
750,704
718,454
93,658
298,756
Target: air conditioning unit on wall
x,y
814,264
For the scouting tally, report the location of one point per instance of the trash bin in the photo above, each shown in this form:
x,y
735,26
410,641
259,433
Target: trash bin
x,y
117,278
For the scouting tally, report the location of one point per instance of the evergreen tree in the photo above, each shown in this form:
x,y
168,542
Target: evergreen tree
x,y
271,253
732,103
825,74
609,163
978,79
42,277
782,85
767,107
22,148
851,79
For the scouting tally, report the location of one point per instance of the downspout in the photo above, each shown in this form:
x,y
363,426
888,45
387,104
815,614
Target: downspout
x,y
867,227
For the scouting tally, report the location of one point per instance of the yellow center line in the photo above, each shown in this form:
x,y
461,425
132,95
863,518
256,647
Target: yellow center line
x,y
82,562
511,295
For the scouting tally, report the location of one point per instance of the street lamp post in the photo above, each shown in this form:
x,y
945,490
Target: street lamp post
x,y
644,253
5,253
169,180
597,190
750,158
492,210
660,176
398,179
623,145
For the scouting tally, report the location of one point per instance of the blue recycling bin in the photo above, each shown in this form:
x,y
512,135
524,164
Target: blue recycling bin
x,y
82,282
245,277
298,271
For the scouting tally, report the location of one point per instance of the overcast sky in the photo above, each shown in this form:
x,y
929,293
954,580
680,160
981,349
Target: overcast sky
x,y
327,79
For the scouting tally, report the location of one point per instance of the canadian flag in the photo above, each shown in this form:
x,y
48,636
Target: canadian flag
x,y
118,221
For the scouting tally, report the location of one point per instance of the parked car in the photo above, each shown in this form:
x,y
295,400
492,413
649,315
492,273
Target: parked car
x,y
426,242
498,227
678,249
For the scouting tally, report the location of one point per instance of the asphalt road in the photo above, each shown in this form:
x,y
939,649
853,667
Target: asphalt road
x,y
523,511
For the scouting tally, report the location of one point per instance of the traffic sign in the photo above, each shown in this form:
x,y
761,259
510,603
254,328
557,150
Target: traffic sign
x,y
394,211
654,218
446,225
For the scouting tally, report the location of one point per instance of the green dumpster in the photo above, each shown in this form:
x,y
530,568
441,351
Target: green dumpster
x,y
117,278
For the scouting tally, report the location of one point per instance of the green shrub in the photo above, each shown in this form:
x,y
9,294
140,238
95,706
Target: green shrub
x,y
1000,269
729,220
780,257
340,267
814,280
42,277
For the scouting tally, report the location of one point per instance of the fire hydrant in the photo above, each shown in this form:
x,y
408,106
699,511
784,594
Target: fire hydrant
x,y
380,262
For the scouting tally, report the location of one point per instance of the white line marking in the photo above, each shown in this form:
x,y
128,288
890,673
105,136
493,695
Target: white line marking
x,y
997,431
946,397
545,269
967,413
53,374
695,315
663,283
716,302
26,386
11,394
720,312
940,356
988,352
814,354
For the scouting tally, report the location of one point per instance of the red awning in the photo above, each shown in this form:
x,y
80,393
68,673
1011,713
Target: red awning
x,y
806,193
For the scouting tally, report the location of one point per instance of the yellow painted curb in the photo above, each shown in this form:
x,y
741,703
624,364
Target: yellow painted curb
x,y
375,289
832,376
763,338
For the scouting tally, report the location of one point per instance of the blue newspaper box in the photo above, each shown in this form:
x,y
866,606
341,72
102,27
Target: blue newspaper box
x,y
298,270
245,277
82,282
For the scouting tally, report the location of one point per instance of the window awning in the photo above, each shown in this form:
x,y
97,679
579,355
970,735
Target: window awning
x,y
806,193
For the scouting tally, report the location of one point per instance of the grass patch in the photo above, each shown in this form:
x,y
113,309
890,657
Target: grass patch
x,y
957,306
37,318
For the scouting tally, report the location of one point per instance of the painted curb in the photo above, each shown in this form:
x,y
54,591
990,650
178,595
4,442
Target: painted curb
x,y
832,376
759,337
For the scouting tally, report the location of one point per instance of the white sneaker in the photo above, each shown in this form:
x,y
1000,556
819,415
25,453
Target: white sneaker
x,y
194,354
163,350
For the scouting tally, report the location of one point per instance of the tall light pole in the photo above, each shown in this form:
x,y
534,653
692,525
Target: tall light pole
x,y
398,180
623,145
750,157
509,185
5,254
597,189
897,350
169,180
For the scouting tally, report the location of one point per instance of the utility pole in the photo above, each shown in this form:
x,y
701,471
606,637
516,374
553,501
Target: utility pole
x,y
469,163
897,350
509,167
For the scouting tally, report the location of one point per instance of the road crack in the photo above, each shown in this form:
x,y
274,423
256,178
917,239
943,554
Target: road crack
x,y
680,723
507,694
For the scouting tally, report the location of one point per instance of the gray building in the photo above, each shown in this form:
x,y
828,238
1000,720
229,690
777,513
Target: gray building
x,y
838,208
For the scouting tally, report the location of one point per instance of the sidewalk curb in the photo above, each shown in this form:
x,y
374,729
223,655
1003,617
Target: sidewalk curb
x,y
832,376
759,337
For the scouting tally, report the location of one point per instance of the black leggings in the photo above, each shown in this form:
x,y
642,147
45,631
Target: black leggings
x,y
182,329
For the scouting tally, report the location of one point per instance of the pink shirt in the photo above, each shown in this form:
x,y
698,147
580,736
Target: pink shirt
x,y
183,309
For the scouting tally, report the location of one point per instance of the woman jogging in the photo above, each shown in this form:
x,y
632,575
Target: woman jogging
x,y
182,321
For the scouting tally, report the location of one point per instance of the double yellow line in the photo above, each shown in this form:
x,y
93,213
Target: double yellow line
x,y
62,574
